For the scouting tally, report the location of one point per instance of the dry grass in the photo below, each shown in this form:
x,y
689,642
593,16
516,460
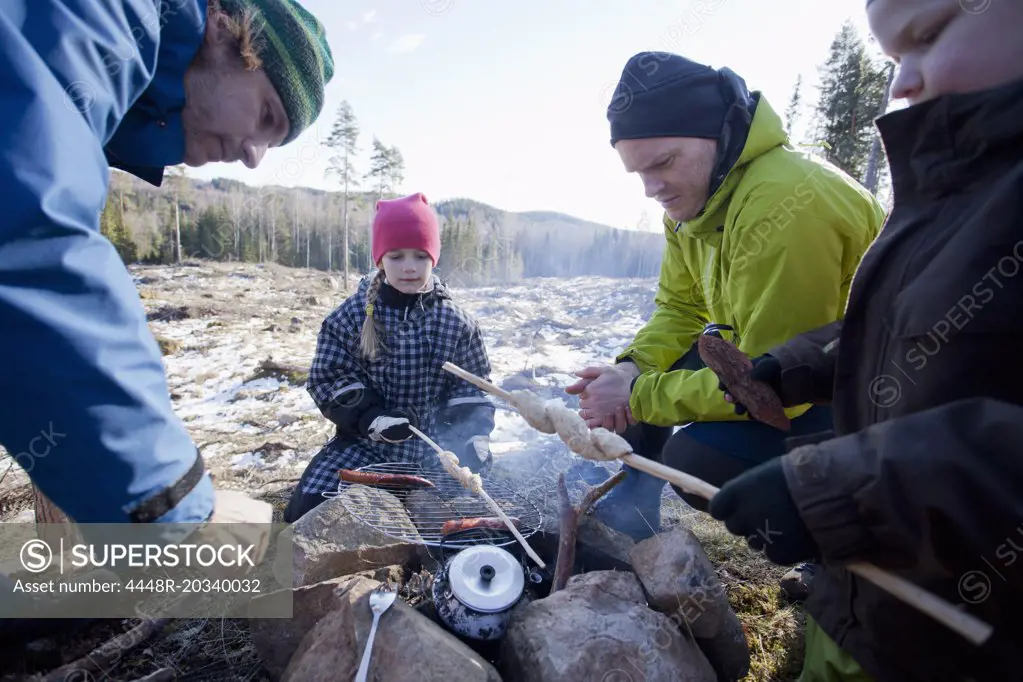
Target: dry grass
x,y
773,626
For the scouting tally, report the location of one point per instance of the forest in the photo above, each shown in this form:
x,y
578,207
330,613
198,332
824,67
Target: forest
x,y
330,230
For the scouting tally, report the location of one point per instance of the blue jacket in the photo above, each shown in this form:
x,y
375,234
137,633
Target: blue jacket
x,y
86,84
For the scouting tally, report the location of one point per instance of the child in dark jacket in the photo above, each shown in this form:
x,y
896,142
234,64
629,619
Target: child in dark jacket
x,y
378,363
924,477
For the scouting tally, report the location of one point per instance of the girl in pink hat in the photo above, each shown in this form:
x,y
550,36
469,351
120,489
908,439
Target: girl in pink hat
x,y
378,363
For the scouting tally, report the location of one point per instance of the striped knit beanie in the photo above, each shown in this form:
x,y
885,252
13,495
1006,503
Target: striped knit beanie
x,y
296,57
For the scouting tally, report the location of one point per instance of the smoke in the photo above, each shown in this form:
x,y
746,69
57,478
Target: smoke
x,y
531,473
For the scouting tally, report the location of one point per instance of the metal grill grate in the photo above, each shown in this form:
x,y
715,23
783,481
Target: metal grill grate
x,y
428,509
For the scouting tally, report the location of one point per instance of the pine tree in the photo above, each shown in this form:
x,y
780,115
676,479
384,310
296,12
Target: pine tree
x,y
112,226
852,87
877,159
396,168
343,141
386,168
210,234
380,167
792,113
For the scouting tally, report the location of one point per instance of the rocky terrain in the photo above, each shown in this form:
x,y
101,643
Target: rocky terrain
x,y
237,339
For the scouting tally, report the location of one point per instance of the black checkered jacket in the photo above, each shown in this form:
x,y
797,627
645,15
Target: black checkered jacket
x,y
419,334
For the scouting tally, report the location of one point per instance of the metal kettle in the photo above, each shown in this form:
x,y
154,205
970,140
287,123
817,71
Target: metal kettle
x,y
475,591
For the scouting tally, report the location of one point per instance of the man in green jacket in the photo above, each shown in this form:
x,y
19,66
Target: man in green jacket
x,y
761,245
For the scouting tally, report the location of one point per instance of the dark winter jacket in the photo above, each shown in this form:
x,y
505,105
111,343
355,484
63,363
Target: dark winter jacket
x,y
420,333
86,408
925,476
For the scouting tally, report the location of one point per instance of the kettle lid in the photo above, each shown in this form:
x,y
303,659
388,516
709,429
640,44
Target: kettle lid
x,y
485,578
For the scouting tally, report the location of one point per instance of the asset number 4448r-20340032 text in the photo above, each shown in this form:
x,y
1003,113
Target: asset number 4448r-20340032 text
x,y
194,585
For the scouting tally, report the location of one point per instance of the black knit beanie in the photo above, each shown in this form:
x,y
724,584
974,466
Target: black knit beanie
x,y
666,95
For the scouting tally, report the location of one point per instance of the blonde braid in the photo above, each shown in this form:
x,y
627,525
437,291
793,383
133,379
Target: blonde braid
x,y
369,343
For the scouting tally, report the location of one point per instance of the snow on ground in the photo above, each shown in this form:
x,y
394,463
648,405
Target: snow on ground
x,y
220,321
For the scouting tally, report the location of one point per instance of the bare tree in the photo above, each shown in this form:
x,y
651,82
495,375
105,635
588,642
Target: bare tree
x,y
178,182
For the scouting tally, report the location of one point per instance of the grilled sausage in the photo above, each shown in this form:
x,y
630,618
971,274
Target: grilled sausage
x,y
371,478
488,522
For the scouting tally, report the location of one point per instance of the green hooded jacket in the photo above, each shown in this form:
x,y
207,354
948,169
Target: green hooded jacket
x,y
771,256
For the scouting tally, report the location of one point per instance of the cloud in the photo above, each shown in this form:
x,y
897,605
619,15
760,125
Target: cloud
x,y
407,43
376,36
367,17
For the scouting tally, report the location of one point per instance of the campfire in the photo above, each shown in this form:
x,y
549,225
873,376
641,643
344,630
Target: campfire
x,y
494,608
561,597
493,586
482,570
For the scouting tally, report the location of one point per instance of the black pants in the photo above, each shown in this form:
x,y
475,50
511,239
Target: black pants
x,y
301,502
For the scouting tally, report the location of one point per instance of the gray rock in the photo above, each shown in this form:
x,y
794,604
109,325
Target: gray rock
x,y
329,541
599,628
277,639
600,548
620,584
728,650
679,578
408,646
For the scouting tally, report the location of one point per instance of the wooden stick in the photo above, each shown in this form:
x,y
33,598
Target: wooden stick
x,y
570,517
494,506
511,526
427,440
972,628
686,482
481,384
109,653
690,484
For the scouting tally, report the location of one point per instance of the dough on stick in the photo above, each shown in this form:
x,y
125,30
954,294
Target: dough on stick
x,y
573,430
609,443
463,475
533,410
554,417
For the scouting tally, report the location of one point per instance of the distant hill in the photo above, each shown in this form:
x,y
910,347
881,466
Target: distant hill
x,y
555,244
229,220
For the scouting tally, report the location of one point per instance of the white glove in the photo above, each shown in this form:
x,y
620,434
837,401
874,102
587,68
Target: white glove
x,y
388,429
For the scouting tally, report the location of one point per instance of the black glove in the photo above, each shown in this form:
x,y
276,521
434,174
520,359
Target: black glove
x,y
767,369
757,505
387,426
347,409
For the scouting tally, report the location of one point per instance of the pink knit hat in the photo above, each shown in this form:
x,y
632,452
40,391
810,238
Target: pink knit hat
x,y
405,223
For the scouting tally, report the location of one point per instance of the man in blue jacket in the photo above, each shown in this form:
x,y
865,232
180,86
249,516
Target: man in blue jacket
x,y
138,85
